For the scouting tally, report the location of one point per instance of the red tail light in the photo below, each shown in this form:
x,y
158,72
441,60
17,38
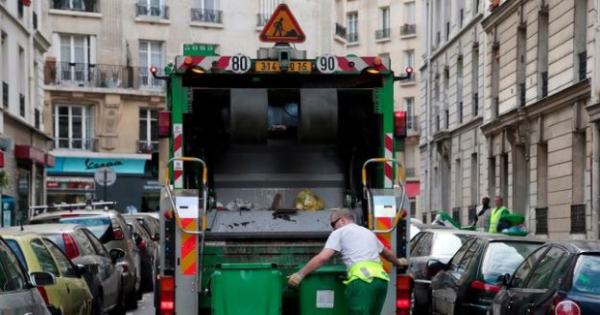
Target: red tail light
x,y
167,295
566,307
71,248
482,286
142,245
44,294
403,290
118,233
69,215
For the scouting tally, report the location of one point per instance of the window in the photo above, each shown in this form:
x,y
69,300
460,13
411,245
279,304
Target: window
x,y
492,176
586,269
384,17
474,176
495,78
84,245
73,127
446,244
522,272
62,262
75,5
22,81
409,58
410,13
423,245
151,54
580,39
458,186
521,64
11,276
547,270
207,11
409,104
74,58
148,136
475,81
352,27
100,249
459,88
5,68
20,8
266,9
542,53
504,257
44,257
152,8
462,265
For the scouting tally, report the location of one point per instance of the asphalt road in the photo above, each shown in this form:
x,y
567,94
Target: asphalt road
x,y
145,305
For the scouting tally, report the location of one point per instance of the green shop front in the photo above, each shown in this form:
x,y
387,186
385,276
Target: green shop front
x,y
135,187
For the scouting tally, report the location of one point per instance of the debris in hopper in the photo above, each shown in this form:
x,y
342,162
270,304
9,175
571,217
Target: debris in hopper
x,y
308,200
239,204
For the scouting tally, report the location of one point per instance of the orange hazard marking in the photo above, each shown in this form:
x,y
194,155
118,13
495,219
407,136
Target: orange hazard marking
x,y
386,239
189,249
282,27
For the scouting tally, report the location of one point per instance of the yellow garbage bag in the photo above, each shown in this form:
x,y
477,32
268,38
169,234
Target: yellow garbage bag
x,y
308,200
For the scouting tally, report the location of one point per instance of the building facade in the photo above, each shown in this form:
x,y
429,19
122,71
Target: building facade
x,y
23,143
389,29
532,140
102,103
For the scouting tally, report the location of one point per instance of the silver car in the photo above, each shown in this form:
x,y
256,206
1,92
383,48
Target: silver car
x,y
18,295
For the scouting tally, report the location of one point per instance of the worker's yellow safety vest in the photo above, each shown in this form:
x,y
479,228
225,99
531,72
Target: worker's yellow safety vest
x,y
495,217
366,271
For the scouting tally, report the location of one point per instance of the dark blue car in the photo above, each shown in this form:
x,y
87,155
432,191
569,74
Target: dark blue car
x,y
558,278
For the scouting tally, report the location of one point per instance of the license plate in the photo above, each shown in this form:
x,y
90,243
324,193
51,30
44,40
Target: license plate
x,y
274,66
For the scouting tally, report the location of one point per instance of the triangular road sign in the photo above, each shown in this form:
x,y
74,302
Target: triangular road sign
x,y
282,27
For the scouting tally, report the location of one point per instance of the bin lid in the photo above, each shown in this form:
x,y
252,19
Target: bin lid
x,y
246,266
331,269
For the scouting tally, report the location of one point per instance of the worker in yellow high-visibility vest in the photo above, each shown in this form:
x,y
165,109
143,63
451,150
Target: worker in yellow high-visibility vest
x,y
497,214
360,250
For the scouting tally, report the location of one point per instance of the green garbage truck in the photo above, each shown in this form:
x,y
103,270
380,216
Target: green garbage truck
x,y
242,138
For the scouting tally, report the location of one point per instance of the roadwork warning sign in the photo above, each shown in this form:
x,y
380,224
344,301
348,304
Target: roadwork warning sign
x,y
282,27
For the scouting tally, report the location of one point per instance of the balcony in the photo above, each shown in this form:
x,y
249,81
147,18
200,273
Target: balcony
x,y
70,74
382,34
79,6
89,144
262,19
158,12
144,146
352,38
207,16
340,31
408,30
4,94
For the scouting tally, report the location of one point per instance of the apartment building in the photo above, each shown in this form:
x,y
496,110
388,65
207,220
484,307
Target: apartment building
x,y
528,134
24,145
102,103
389,29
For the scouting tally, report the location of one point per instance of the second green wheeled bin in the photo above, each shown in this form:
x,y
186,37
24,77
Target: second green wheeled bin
x,y
322,292
249,289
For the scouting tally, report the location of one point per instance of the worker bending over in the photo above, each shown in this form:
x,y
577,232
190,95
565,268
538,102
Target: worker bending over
x,y
360,250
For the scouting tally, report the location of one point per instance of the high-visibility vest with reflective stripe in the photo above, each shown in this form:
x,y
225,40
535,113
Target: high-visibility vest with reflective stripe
x,y
366,271
495,217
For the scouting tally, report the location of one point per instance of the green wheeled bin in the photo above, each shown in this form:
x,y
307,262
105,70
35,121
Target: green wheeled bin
x,y
322,292
249,289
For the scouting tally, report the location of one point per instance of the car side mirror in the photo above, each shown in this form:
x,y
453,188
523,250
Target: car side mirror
x,y
434,266
116,254
42,278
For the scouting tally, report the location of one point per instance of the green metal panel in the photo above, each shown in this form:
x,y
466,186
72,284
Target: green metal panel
x,y
322,292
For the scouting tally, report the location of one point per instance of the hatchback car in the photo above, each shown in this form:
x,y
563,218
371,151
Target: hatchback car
x,y
469,282
83,248
70,294
148,222
558,278
110,228
18,294
431,243
148,251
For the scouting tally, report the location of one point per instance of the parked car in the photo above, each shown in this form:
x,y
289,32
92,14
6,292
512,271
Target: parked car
x,y
110,228
431,243
83,248
70,294
470,280
558,278
148,251
19,294
148,222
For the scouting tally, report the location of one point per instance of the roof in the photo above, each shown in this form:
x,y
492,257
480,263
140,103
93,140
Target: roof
x,y
489,237
46,228
16,233
580,246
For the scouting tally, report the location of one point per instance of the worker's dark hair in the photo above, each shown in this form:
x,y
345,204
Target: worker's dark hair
x,y
343,213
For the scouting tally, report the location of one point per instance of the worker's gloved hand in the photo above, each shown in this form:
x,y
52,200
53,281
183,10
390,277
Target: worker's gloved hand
x,y
402,262
295,279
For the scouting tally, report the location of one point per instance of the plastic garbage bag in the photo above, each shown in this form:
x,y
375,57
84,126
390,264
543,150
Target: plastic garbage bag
x,y
308,200
239,204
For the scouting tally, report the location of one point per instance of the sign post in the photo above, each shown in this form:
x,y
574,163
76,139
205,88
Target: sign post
x,y
105,177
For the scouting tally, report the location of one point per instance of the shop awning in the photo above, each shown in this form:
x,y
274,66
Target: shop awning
x,y
121,164
413,189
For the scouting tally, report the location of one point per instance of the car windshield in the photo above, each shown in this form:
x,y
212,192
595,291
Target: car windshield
x,y
96,224
586,274
504,257
14,246
447,244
